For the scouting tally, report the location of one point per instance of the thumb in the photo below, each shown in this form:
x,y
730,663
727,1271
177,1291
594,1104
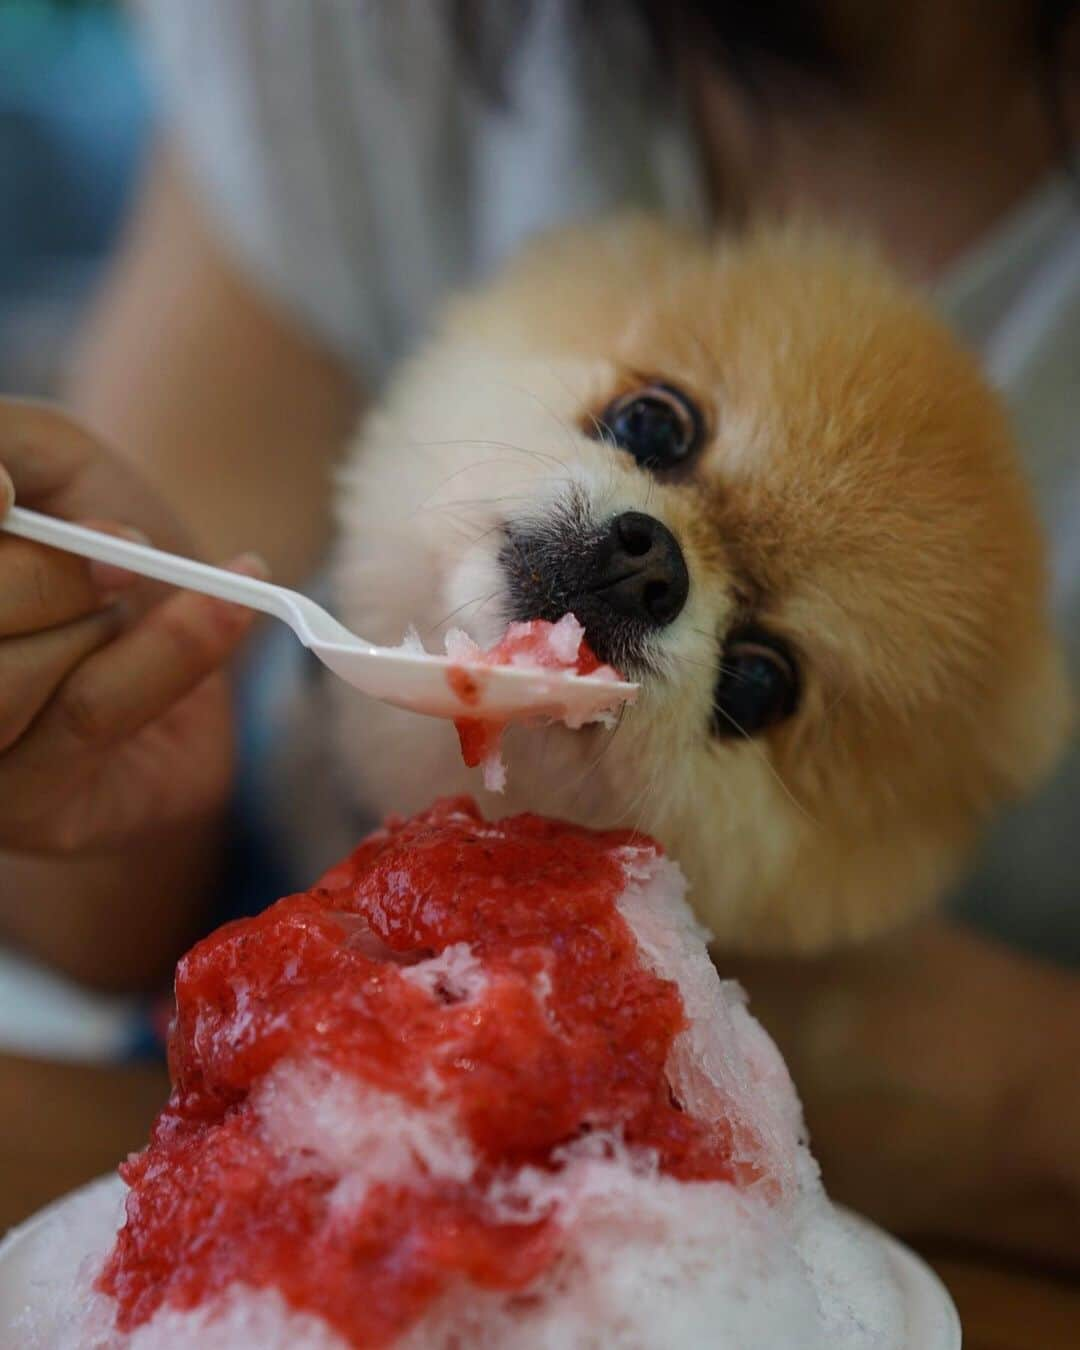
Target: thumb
x,y
7,492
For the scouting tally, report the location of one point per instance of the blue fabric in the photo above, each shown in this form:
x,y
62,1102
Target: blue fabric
x,y
74,114
74,122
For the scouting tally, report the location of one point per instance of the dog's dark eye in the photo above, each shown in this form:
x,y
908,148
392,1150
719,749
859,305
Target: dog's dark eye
x,y
758,684
658,425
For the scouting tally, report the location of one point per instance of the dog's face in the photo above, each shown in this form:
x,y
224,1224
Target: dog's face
x,y
776,493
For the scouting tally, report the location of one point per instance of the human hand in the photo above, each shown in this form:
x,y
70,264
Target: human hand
x,y
114,712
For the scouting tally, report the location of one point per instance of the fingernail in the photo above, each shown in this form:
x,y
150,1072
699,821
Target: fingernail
x,y
250,565
128,532
133,535
7,491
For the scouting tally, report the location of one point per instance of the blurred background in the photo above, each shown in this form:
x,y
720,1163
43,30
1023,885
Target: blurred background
x,y
74,115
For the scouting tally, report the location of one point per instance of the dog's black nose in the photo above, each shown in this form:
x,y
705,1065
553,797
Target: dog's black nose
x,y
639,570
623,578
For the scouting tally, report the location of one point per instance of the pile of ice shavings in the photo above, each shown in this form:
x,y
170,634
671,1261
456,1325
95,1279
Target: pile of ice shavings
x,y
535,645
480,1087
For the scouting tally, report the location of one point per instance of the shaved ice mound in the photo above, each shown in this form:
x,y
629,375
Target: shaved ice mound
x,y
481,1086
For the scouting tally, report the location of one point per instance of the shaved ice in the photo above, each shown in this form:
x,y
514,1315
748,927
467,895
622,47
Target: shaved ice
x,y
534,645
481,1086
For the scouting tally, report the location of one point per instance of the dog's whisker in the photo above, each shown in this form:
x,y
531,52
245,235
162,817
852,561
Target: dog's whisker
x,y
462,531
578,785
484,603
488,444
609,740
600,431
685,660
474,541
478,600
720,667
567,430
471,467
462,502
636,807
573,395
484,534
769,765
429,505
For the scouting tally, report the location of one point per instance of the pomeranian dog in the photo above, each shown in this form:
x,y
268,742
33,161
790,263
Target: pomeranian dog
x,y
776,492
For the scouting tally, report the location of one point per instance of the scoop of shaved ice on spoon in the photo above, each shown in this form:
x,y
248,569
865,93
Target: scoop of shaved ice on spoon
x,y
534,645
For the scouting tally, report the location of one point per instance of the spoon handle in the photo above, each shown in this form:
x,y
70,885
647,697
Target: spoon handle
x,y
150,562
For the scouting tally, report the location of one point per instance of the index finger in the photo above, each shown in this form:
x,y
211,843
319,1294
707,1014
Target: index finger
x,y
57,466
41,450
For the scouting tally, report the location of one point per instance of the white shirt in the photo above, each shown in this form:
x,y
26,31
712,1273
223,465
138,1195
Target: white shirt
x,y
358,176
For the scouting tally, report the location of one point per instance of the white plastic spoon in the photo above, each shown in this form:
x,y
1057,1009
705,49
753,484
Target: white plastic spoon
x,y
410,679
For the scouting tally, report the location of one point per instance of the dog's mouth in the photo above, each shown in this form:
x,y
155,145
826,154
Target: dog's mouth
x,y
624,579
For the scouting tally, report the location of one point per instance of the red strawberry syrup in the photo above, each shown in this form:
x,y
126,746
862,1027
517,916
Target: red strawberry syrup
x,y
523,644
568,1034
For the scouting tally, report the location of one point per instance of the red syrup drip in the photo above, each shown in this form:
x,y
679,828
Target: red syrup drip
x,y
523,643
